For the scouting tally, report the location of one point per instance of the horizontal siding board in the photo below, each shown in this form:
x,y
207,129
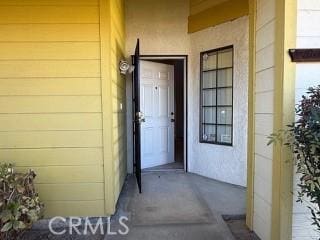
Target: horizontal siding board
x,y
49,32
71,192
263,169
264,80
52,157
41,122
265,35
264,102
53,139
67,174
49,2
265,58
50,104
262,226
265,12
262,148
50,86
49,14
54,68
49,50
74,208
265,207
263,124
262,190
50,100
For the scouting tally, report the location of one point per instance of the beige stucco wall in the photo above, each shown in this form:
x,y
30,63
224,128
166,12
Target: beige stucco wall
x,y
161,27
226,163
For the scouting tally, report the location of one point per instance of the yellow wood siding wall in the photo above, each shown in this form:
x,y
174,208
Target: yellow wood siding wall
x,y
50,100
118,94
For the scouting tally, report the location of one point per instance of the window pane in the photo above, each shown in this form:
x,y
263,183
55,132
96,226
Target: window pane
x,y
225,96
209,133
225,77
216,96
209,79
209,97
209,115
225,59
224,134
209,61
224,115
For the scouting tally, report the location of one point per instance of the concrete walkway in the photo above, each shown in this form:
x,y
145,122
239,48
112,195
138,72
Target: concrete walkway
x,y
177,205
173,206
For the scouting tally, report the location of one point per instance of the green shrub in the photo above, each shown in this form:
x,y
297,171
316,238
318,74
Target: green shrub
x,y
303,138
20,205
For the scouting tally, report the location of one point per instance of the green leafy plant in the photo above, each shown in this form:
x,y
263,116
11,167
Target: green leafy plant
x,y
20,205
303,138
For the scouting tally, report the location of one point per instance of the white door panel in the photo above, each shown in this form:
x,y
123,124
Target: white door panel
x,y
163,75
147,93
147,74
147,141
163,101
163,139
157,104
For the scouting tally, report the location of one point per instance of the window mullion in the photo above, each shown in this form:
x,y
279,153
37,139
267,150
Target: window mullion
x,y
220,61
216,138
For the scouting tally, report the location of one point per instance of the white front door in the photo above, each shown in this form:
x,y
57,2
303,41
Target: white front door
x,y
157,106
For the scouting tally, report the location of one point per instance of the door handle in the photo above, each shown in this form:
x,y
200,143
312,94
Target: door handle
x,y
140,117
172,115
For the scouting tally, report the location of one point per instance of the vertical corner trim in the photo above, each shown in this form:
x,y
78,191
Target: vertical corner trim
x,y
106,104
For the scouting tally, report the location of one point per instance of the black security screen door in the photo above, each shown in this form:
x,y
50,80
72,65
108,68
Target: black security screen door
x,y
137,115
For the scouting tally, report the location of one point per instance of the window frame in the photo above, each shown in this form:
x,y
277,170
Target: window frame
x,y
201,104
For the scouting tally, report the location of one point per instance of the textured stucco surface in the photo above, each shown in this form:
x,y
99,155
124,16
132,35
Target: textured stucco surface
x,y
163,30
162,27
224,163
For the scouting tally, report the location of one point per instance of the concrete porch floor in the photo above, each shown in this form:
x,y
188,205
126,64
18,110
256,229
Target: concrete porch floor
x,y
155,214
173,206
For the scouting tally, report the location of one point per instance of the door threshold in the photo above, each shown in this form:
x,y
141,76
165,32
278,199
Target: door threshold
x,y
163,170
